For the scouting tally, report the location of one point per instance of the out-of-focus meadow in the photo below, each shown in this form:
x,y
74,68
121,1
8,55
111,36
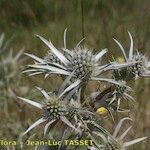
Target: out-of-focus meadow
x,y
99,21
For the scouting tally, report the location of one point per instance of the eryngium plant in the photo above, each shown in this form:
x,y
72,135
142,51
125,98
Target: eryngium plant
x,y
81,114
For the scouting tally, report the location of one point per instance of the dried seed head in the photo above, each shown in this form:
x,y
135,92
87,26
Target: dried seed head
x,y
55,108
83,62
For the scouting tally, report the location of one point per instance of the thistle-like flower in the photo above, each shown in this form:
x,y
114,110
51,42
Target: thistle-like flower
x,y
80,63
112,97
142,66
54,109
115,142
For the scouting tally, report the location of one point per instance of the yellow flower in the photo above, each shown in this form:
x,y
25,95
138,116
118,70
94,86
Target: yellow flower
x,y
102,111
120,60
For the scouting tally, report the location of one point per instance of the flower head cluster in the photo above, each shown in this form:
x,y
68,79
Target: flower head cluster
x,y
79,63
76,67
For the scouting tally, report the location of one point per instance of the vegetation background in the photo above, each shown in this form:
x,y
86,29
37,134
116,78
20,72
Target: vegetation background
x,y
99,21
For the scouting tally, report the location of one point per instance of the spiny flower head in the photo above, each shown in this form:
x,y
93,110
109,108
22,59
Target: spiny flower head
x,y
83,62
55,108
140,68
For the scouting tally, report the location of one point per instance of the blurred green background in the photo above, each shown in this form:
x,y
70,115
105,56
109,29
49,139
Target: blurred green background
x,y
97,20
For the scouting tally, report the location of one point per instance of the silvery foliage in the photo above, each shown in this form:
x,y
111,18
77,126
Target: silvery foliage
x,y
77,67
9,66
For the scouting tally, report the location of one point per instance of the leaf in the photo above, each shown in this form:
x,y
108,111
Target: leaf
x,y
50,68
55,51
47,126
35,58
100,54
73,85
100,135
65,82
122,49
62,138
66,121
35,73
41,120
126,144
71,93
129,97
65,32
100,128
107,80
38,105
131,46
80,42
43,92
117,129
125,133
